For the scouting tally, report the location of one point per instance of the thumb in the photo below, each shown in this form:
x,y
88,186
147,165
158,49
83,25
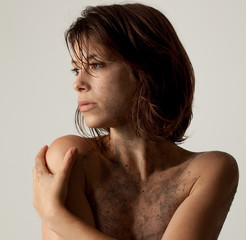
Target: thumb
x,y
68,163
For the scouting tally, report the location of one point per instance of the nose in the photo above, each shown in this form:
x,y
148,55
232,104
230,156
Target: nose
x,y
81,83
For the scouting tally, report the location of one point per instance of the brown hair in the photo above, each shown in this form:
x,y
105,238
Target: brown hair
x,y
144,39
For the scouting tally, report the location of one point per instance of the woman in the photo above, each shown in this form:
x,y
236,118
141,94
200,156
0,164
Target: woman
x,y
131,180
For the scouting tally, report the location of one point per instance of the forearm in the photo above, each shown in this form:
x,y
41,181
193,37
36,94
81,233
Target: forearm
x,y
69,227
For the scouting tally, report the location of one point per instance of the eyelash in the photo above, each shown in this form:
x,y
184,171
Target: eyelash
x,y
92,66
95,65
75,71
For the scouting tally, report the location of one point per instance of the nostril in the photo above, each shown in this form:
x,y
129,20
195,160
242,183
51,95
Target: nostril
x,y
78,87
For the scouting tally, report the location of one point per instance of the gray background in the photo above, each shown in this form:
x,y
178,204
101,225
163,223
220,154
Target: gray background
x,y
37,102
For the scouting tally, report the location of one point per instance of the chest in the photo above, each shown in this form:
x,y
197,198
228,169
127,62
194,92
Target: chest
x,y
125,209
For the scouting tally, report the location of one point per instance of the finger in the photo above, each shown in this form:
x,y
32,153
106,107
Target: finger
x,y
68,163
34,181
36,175
33,176
40,161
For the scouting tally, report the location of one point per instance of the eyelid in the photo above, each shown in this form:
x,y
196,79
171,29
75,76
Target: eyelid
x,y
76,71
96,64
91,66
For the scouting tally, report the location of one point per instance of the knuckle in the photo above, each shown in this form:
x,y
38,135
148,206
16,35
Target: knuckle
x,y
36,159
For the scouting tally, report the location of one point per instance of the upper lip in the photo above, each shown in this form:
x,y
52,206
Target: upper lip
x,y
83,102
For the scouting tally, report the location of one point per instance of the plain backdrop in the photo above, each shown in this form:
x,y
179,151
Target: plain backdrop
x,y
37,102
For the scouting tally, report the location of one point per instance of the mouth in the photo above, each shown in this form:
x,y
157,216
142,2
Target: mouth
x,y
86,106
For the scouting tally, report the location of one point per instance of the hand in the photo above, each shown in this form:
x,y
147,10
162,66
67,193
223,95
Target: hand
x,y
50,190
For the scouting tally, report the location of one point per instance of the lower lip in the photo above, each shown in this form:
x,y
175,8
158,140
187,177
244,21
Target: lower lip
x,y
86,107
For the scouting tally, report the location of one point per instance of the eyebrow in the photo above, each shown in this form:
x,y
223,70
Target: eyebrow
x,y
90,57
74,62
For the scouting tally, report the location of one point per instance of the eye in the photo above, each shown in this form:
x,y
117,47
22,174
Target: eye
x,y
76,71
95,65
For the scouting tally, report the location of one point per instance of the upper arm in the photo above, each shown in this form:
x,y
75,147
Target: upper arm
x,y
76,201
202,214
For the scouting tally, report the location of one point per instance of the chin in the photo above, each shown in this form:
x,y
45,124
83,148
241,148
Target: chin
x,y
95,123
105,121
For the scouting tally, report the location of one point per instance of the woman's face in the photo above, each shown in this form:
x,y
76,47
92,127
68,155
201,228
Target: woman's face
x,y
105,93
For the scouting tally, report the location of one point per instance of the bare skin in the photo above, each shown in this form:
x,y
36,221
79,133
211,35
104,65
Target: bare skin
x,y
118,202
143,202
135,189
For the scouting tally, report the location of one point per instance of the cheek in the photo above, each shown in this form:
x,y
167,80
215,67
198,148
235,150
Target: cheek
x,y
115,92
113,109
117,99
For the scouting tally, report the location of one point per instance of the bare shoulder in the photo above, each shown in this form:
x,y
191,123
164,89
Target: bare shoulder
x,y
216,168
76,201
61,145
216,162
202,214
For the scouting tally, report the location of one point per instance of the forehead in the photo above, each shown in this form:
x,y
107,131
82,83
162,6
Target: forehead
x,y
85,50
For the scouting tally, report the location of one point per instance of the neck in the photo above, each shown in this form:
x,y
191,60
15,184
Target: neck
x,y
136,155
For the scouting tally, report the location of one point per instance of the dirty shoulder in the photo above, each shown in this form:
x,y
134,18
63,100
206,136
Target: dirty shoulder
x,y
218,163
61,145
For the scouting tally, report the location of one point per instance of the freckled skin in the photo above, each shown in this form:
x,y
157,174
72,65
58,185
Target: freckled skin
x,y
125,207
143,190
165,193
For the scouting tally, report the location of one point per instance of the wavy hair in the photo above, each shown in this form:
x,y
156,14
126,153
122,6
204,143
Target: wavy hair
x,y
144,39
